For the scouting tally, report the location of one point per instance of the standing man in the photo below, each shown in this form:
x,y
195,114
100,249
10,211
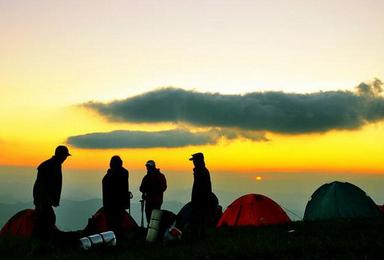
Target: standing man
x,y
152,186
201,193
47,192
116,195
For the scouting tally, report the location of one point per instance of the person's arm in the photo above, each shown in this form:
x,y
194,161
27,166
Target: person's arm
x,y
143,188
40,192
207,184
163,183
126,191
49,185
104,191
57,183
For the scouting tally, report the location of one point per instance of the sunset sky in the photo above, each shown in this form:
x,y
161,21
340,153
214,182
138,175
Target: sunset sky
x,y
256,85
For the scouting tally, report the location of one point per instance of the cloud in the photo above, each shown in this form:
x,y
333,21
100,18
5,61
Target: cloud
x,y
230,134
260,111
169,138
373,89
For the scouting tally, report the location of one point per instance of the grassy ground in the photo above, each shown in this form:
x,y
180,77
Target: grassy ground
x,y
299,240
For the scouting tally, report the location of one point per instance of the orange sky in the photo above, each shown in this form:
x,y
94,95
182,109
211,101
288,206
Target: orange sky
x,y
339,151
56,56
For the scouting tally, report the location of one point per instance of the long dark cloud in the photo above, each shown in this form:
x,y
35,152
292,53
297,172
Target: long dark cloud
x,y
261,111
169,138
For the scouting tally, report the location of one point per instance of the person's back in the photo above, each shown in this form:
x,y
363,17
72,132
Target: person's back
x,y
47,192
116,198
202,188
201,195
153,186
115,186
48,184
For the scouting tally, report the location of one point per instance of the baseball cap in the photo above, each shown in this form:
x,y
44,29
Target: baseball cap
x,y
62,150
197,156
150,163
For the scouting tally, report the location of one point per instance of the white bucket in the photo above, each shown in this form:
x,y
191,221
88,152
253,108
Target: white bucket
x,y
106,238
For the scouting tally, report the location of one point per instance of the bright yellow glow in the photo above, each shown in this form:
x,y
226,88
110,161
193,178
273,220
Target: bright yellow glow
x,y
258,178
30,137
56,55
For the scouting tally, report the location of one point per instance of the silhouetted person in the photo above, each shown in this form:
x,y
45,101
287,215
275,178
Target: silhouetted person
x,y
201,196
116,195
152,186
47,192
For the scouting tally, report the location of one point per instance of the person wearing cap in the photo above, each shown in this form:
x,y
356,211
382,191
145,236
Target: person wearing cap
x,y
201,193
152,186
116,195
47,192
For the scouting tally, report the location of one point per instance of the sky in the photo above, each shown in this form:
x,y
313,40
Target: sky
x,y
257,86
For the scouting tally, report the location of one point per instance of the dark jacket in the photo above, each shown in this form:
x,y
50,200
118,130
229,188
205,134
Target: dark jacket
x,y
153,186
48,184
116,189
202,188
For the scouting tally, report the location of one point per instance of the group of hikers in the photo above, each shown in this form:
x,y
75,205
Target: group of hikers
x,y
116,195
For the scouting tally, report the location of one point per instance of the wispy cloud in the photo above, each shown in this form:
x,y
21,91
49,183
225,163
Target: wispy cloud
x,y
260,111
169,138
375,88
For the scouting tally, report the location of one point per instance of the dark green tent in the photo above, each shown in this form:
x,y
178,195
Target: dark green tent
x,y
340,200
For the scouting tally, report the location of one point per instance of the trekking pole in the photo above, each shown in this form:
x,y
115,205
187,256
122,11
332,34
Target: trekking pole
x,y
129,202
142,213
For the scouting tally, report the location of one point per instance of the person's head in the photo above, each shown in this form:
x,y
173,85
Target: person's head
x,y
116,162
151,165
197,159
61,153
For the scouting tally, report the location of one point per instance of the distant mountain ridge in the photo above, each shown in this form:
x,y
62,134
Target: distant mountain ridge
x,y
74,215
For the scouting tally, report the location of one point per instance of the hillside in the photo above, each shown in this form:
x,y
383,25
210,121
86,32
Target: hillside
x,y
362,239
73,215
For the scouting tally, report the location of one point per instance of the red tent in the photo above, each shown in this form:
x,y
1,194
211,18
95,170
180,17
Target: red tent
x,y
21,224
253,210
99,223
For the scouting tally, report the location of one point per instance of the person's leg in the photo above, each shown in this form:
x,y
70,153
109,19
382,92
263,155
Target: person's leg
x,y
156,205
203,225
148,211
195,222
45,222
115,220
